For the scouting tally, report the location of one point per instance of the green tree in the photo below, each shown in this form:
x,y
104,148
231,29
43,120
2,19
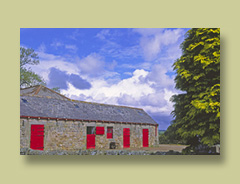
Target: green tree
x,y
170,137
57,89
197,110
27,76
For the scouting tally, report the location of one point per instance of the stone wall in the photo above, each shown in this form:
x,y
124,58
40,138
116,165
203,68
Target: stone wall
x,y
26,151
71,135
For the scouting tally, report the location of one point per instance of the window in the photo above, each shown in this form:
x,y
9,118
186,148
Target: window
x,y
90,130
76,106
109,132
99,130
24,100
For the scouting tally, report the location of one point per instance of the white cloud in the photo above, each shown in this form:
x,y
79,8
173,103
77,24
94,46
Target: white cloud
x,y
113,48
148,87
127,73
136,91
112,65
148,31
143,65
153,40
72,48
56,44
159,77
130,86
174,52
102,34
150,90
42,48
92,65
47,61
89,67
75,34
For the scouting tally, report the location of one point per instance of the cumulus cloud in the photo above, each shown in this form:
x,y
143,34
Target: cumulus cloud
x,y
82,80
48,61
58,78
137,90
89,68
159,78
92,65
152,41
131,86
93,78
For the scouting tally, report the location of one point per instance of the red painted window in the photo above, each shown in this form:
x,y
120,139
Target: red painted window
x,y
37,137
126,137
99,130
109,132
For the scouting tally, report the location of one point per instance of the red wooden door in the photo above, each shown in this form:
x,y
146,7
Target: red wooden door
x,y
145,137
90,141
126,137
37,137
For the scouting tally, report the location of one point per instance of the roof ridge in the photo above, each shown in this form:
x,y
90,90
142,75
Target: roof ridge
x,y
40,86
38,89
30,87
56,92
38,96
107,104
80,101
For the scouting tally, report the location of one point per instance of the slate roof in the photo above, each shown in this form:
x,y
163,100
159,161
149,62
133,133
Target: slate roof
x,y
42,91
36,106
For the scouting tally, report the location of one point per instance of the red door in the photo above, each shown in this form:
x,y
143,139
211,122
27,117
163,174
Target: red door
x,y
126,138
90,141
145,137
37,137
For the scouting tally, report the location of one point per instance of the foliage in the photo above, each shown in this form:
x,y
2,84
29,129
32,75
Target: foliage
x,y
170,137
160,132
27,77
197,110
57,89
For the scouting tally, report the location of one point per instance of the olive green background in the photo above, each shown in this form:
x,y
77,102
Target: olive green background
x,y
119,169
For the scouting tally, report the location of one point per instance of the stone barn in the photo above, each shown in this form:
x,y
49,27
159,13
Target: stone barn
x,y
51,121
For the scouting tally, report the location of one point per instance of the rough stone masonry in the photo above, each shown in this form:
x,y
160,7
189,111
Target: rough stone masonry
x,y
66,122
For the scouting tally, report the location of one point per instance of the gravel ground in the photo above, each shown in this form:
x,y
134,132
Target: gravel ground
x,y
161,147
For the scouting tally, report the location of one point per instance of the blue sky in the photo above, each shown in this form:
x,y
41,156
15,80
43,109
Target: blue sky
x,y
123,66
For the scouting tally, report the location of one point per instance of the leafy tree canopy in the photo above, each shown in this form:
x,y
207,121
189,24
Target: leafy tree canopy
x,y
197,110
27,76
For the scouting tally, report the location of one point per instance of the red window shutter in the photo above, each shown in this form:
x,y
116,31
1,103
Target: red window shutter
x,y
99,130
109,132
